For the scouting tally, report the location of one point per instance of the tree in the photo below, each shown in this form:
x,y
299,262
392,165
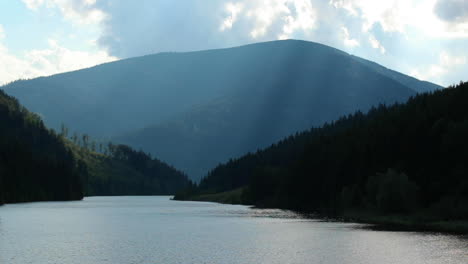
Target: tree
x,y
63,131
392,192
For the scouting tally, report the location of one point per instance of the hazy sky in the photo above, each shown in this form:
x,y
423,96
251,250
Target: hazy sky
x,y
427,39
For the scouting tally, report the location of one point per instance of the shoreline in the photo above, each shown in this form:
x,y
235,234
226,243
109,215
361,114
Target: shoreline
x,y
375,221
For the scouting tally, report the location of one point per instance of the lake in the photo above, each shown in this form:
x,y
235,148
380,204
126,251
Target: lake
x,y
121,230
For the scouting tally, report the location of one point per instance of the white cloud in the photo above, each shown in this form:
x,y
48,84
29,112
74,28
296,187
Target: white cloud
x,y
280,17
400,15
303,18
436,72
409,29
347,40
58,59
78,11
376,44
11,67
264,14
53,60
33,4
233,9
392,15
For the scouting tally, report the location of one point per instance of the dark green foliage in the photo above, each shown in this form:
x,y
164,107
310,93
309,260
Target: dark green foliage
x,y
34,163
120,170
404,158
390,192
135,173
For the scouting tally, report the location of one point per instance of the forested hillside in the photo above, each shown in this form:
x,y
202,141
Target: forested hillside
x,y
195,110
400,159
38,164
34,163
124,171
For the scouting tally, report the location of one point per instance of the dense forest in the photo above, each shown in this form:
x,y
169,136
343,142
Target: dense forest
x,y
34,163
121,170
38,164
397,159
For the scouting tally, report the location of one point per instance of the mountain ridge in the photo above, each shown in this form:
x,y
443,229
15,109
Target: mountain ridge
x,y
302,83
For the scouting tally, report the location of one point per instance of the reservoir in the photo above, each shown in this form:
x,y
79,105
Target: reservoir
x,y
146,230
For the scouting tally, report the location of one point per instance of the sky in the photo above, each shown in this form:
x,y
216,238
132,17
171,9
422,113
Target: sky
x,y
427,39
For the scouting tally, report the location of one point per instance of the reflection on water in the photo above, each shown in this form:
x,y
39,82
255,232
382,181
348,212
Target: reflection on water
x,y
157,230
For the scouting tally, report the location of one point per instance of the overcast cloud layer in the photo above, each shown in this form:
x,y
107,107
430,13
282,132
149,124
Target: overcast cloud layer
x,y
424,38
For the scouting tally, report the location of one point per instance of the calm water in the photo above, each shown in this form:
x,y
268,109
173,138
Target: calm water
x,y
156,230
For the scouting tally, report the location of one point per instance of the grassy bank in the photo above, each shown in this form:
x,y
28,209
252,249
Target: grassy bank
x,y
230,197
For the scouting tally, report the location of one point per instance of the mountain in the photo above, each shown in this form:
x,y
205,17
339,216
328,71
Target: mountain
x,y
35,165
197,109
405,159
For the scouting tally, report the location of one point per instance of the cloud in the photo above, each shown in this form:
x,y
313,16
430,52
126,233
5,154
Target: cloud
x,y
454,14
400,34
133,29
282,18
347,40
33,4
233,9
452,10
376,44
11,67
448,64
44,62
392,15
156,26
78,11
58,59
427,16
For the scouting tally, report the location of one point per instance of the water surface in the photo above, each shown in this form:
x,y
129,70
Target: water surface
x,y
121,230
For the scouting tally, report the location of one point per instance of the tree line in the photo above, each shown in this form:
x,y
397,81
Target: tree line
x,y
125,171
396,159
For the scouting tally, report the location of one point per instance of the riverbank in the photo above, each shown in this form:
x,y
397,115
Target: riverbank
x,y
229,197
414,222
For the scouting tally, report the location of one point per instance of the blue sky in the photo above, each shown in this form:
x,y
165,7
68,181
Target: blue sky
x,y
427,39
